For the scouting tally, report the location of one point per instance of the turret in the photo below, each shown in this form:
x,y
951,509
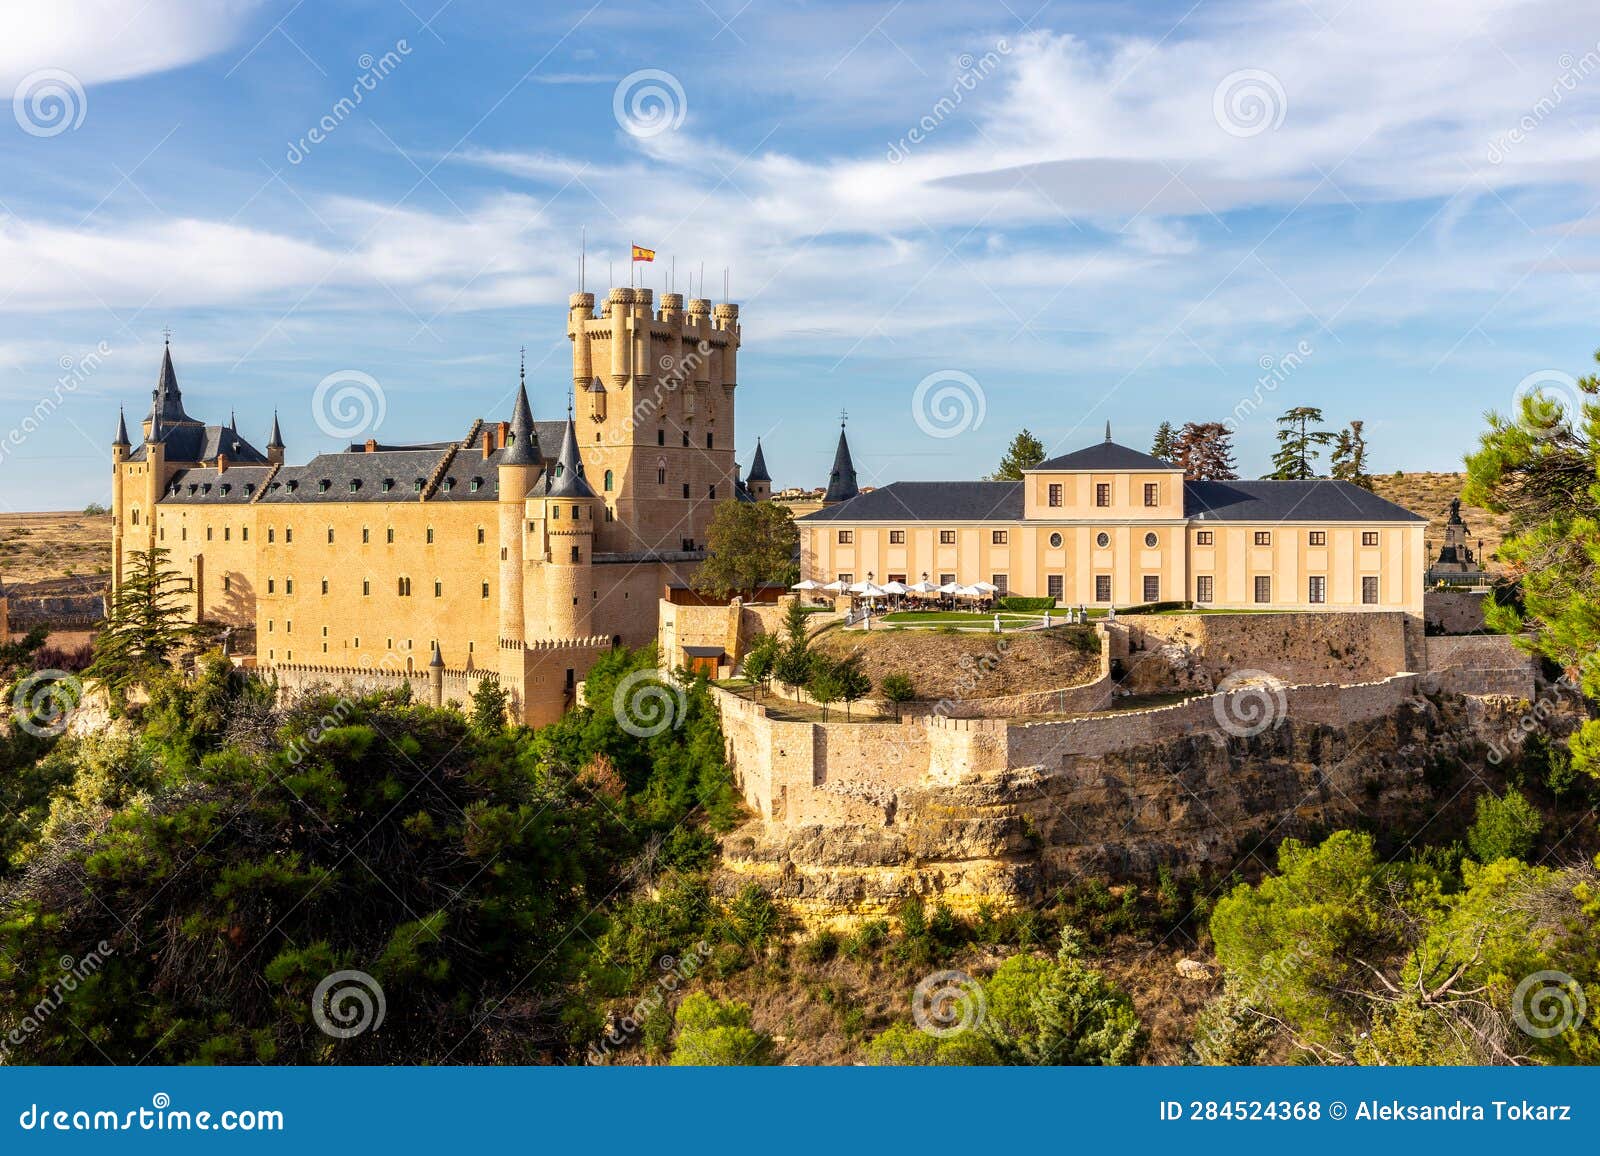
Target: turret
x,y
275,445
520,466
842,479
570,508
120,446
758,481
580,308
436,677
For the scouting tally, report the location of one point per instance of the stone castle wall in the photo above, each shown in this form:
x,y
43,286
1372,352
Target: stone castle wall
x,y
1481,664
1454,611
1297,648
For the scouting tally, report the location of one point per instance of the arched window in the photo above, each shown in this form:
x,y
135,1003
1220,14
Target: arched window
x,y
405,588
608,481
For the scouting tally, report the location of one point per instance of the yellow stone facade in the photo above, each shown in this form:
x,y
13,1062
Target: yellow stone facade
x,y
522,551
1109,526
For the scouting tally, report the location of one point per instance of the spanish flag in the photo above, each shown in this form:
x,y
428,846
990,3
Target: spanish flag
x,y
640,253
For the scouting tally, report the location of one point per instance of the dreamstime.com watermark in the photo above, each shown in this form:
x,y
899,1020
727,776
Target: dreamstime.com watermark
x,y
348,403
947,403
373,71
973,71
73,972
645,704
49,102
160,1116
1249,702
675,972
649,102
74,372
348,1003
1274,372
1573,70
948,1003
1548,1003
1275,972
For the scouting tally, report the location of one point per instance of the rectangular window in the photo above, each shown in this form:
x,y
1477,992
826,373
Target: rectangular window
x,y
1318,589
272,533
330,535
1152,588
1202,588
1369,591
847,579
947,537
897,577
366,590
577,555
208,533
1319,538
686,489
1055,586
430,535
485,590
1369,537
480,535
846,537
389,535
999,538
288,533
324,585
366,535
946,579
227,583
227,533
244,533
438,588
288,585
897,537
1152,493
1204,537
271,585
661,476
1263,588
1102,588
1055,495
1263,537
1102,493
999,581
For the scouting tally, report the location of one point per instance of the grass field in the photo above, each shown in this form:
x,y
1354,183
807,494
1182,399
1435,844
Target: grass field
x,y
55,552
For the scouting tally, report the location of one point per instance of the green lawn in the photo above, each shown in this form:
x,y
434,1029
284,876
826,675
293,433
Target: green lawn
x,y
974,618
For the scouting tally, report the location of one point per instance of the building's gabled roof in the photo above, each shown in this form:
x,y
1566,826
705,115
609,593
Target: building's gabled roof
x,y
929,502
192,442
1269,500
1106,455
356,477
842,478
201,486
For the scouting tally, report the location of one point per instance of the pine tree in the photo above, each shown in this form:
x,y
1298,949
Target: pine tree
x,y
1298,443
1349,457
1025,452
1205,451
854,683
1165,446
489,704
147,626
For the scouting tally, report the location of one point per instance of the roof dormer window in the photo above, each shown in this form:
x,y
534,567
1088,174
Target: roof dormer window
x,y
388,484
323,486
355,484
475,484
417,484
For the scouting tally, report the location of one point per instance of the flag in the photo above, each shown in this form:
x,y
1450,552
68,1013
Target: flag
x,y
642,254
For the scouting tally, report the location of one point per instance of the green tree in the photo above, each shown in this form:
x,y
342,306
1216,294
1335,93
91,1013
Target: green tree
x,y
1205,451
1348,462
1059,1012
713,1032
761,660
898,689
854,683
748,545
1165,445
793,664
906,1045
1299,442
825,684
1505,827
1024,452
490,701
147,626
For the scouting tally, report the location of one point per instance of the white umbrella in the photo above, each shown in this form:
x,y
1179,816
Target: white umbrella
x,y
950,588
893,587
804,584
923,587
968,592
986,587
835,587
861,587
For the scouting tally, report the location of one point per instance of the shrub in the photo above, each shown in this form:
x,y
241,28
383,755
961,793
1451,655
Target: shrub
x,y
718,1032
1024,605
1507,827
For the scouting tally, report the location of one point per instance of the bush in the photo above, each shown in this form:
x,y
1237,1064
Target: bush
x,y
718,1032
1507,827
1024,605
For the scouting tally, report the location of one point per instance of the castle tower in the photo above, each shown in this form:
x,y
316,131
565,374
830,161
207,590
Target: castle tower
x,y
654,407
842,479
569,512
275,446
119,457
520,467
758,481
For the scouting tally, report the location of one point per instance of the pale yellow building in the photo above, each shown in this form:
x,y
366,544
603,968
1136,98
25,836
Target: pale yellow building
x,y
1108,526
521,550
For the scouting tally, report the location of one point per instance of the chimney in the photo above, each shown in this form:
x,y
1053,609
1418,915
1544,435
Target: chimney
x,y
488,443
372,445
501,430
222,463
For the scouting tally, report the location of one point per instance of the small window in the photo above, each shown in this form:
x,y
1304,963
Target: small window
x,y
288,533
1102,539
1152,588
1102,588
712,492
846,537
897,537
1317,538
272,533
272,585
288,585
430,535
1369,591
1055,586
708,439
366,591
366,535
1000,583
946,579
1055,495
208,533
685,439
330,535
1152,540
947,537
485,590
661,437
389,535
686,489
1317,589
404,588
1204,537
661,476
227,583
1263,588
577,554
480,535
438,588
608,481
1263,537
1152,493
1055,541
1369,537
555,513
1202,588
1102,493
998,538
324,585
244,533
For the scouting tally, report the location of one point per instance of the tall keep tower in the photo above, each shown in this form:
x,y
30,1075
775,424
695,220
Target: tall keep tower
x,y
654,394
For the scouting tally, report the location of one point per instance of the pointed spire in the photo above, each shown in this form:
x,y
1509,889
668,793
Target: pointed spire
x,y
122,429
1108,433
569,481
758,467
842,480
275,442
166,400
524,447
437,661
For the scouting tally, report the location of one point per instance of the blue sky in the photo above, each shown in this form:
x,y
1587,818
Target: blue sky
x,y
1105,212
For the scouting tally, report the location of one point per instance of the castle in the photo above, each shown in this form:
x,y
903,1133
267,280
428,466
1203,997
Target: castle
x,y
518,553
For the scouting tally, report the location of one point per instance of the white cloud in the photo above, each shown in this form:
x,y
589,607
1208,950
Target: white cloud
x,y
104,40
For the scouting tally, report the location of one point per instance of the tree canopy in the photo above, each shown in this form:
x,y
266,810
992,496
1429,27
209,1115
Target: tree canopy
x,y
1024,452
748,545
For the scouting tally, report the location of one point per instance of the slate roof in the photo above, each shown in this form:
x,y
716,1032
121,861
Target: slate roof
x,y
206,487
356,477
567,480
1106,455
842,478
193,442
1312,500
1317,500
758,466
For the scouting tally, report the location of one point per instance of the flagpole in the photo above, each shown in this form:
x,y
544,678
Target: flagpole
x,y
583,257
